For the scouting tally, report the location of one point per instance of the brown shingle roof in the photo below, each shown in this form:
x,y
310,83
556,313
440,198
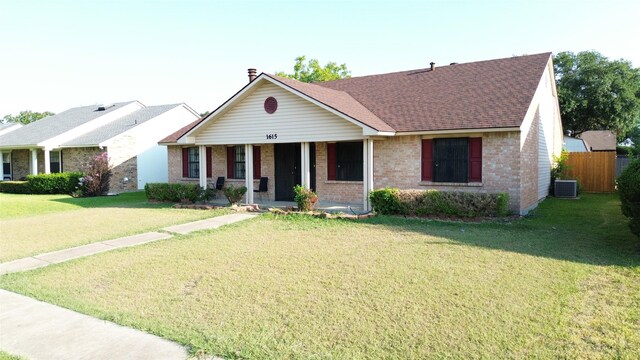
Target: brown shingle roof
x,y
599,140
478,95
484,94
173,138
338,100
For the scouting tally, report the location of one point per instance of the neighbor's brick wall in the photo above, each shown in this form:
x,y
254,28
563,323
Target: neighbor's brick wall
x,y
529,168
123,159
334,191
77,159
20,163
397,163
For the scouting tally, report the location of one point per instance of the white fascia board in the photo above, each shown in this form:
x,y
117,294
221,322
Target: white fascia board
x,y
55,141
21,147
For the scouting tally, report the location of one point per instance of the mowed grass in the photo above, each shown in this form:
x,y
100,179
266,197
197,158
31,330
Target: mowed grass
x,y
564,283
34,224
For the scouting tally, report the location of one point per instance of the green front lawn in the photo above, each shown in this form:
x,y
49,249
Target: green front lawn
x,y
564,283
34,224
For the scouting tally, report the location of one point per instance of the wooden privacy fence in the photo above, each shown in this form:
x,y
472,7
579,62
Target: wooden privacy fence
x,y
596,171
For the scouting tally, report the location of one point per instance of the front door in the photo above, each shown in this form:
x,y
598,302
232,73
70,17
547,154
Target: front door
x,y
287,158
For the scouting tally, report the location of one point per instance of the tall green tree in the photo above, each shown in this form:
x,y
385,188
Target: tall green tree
x,y
596,93
312,71
25,117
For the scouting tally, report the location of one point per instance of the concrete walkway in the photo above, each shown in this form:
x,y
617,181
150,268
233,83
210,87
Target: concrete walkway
x,y
41,260
39,330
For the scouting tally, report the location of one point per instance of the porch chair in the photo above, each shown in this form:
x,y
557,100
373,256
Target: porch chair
x,y
263,186
220,183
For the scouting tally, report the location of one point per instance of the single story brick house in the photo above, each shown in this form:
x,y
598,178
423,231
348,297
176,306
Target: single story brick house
x,y
487,126
128,131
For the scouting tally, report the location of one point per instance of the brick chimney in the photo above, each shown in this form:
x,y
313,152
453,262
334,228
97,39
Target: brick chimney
x,y
252,74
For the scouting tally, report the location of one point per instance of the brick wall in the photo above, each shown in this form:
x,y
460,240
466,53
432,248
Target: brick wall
x,y
77,159
397,164
529,168
334,191
20,163
124,160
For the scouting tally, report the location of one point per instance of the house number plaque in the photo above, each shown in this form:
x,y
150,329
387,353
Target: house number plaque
x,y
272,136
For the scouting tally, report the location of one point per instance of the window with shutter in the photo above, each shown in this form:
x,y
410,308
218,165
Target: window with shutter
x,y
455,160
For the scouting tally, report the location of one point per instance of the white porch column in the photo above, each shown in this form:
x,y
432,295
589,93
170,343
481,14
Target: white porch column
x,y
47,161
367,172
248,171
1,166
202,166
305,165
34,161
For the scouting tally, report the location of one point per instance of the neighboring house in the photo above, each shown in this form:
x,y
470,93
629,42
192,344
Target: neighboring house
x,y
572,144
599,140
488,126
8,127
127,131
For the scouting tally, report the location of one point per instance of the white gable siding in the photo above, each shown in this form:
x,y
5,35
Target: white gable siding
x,y
296,120
546,134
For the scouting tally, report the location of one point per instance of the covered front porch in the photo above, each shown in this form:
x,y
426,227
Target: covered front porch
x,y
17,163
340,172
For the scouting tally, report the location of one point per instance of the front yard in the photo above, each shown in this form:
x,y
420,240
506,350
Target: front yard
x,y
564,283
34,224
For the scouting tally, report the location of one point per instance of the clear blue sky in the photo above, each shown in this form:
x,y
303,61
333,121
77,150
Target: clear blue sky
x,y
61,54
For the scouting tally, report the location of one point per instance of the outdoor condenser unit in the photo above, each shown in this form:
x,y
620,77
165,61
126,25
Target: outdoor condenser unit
x,y
565,188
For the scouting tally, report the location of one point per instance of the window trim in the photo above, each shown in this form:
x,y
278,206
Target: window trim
x,y
333,159
232,162
474,161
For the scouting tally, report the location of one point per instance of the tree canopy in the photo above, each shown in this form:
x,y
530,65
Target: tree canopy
x,y
596,93
312,71
25,117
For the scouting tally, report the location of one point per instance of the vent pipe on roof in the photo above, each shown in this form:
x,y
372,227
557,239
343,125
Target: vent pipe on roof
x,y
252,74
433,66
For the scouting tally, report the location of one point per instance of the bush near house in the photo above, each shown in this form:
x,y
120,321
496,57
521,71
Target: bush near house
x,y
14,187
629,188
305,198
391,201
59,183
234,194
172,192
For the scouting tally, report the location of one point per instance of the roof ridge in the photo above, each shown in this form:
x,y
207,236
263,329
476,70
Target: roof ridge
x,y
320,83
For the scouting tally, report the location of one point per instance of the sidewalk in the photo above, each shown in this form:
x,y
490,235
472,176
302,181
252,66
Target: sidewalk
x,y
41,260
38,330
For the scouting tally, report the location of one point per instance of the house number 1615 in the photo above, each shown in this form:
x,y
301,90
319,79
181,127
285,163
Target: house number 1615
x,y
272,136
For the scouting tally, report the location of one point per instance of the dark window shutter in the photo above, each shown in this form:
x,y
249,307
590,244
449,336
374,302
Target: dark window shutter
x,y
256,162
475,159
331,161
209,165
185,162
427,160
230,162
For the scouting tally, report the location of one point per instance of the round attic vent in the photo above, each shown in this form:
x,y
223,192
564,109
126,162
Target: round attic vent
x,y
270,105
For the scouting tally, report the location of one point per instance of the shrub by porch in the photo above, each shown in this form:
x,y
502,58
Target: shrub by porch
x,y
391,201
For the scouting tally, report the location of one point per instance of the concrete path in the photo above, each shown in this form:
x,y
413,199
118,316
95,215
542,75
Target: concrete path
x,y
211,223
56,257
37,330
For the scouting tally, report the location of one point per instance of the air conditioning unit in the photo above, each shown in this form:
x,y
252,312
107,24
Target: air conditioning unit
x,y
565,188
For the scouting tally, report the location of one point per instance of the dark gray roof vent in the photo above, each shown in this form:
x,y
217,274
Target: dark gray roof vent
x,y
104,107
